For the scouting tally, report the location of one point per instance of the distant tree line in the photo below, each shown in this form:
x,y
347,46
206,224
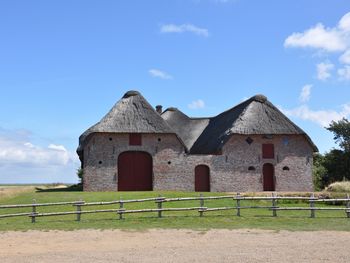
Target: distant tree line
x,y
334,165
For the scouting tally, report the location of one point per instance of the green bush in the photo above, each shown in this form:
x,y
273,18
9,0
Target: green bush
x,y
80,174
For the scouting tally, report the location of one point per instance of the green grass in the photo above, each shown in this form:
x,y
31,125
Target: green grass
x,y
250,218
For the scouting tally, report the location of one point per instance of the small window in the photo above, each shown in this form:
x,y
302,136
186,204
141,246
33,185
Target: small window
x,y
110,138
159,139
285,168
100,162
251,168
249,140
169,162
285,141
135,139
268,151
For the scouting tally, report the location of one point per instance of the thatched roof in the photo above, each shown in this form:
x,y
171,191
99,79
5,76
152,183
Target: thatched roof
x,y
188,129
131,114
254,116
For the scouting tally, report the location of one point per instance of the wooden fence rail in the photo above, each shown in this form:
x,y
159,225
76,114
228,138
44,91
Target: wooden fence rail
x,y
202,209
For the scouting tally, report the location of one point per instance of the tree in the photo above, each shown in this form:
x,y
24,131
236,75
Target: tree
x,y
334,165
319,172
341,132
80,174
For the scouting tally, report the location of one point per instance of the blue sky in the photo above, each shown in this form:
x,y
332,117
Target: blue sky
x,y
63,64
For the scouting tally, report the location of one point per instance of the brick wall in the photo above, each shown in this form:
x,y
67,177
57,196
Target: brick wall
x,y
173,169
291,151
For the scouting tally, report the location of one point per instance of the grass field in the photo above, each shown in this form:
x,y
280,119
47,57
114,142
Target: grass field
x,y
250,218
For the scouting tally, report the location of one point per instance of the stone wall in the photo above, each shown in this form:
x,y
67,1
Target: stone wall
x,y
173,169
292,151
101,160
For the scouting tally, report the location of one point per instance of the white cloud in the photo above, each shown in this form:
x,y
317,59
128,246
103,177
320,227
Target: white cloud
x,y
172,28
319,37
196,104
325,40
344,23
57,147
159,74
22,161
323,70
305,93
14,152
345,57
344,73
321,117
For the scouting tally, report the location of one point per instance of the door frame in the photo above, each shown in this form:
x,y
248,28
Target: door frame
x,y
273,176
208,174
118,167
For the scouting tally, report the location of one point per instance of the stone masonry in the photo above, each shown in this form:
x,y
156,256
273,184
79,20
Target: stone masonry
x,y
238,168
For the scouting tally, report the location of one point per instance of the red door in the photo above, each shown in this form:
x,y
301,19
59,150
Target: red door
x,y
135,171
201,178
268,177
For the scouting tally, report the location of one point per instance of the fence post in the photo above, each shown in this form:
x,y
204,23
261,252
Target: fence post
x,y
33,211
121,206
79,210
238,204
274,203
159,203
312,205
348,206
201,202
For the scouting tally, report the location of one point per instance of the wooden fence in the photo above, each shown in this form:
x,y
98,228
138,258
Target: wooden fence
x,y
160,201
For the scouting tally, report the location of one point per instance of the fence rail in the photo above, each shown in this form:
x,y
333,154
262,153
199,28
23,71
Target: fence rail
x,y
159,201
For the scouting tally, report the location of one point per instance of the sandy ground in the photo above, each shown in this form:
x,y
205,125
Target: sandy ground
x,y
174,246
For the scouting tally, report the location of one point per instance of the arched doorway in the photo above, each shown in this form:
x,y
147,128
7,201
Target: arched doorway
x,y
202,178
268,177
135,171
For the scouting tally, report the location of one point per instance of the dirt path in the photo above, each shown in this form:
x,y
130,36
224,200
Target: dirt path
x,y
174,246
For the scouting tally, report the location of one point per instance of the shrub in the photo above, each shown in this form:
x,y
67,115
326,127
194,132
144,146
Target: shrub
x,y
80,174
339,187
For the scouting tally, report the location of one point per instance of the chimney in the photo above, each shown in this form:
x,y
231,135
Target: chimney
x,y
159,109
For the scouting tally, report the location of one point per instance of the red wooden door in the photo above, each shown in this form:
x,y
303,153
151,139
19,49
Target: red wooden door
x,y
135,171
202,178
268,177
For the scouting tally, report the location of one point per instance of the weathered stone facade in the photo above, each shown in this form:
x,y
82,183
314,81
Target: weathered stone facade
x,y
173,168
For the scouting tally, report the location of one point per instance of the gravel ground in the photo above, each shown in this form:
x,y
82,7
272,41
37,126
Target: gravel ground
x,y
174,246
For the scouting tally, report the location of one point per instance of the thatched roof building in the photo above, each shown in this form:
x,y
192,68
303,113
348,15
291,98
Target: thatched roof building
x,y
133,114
138,148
